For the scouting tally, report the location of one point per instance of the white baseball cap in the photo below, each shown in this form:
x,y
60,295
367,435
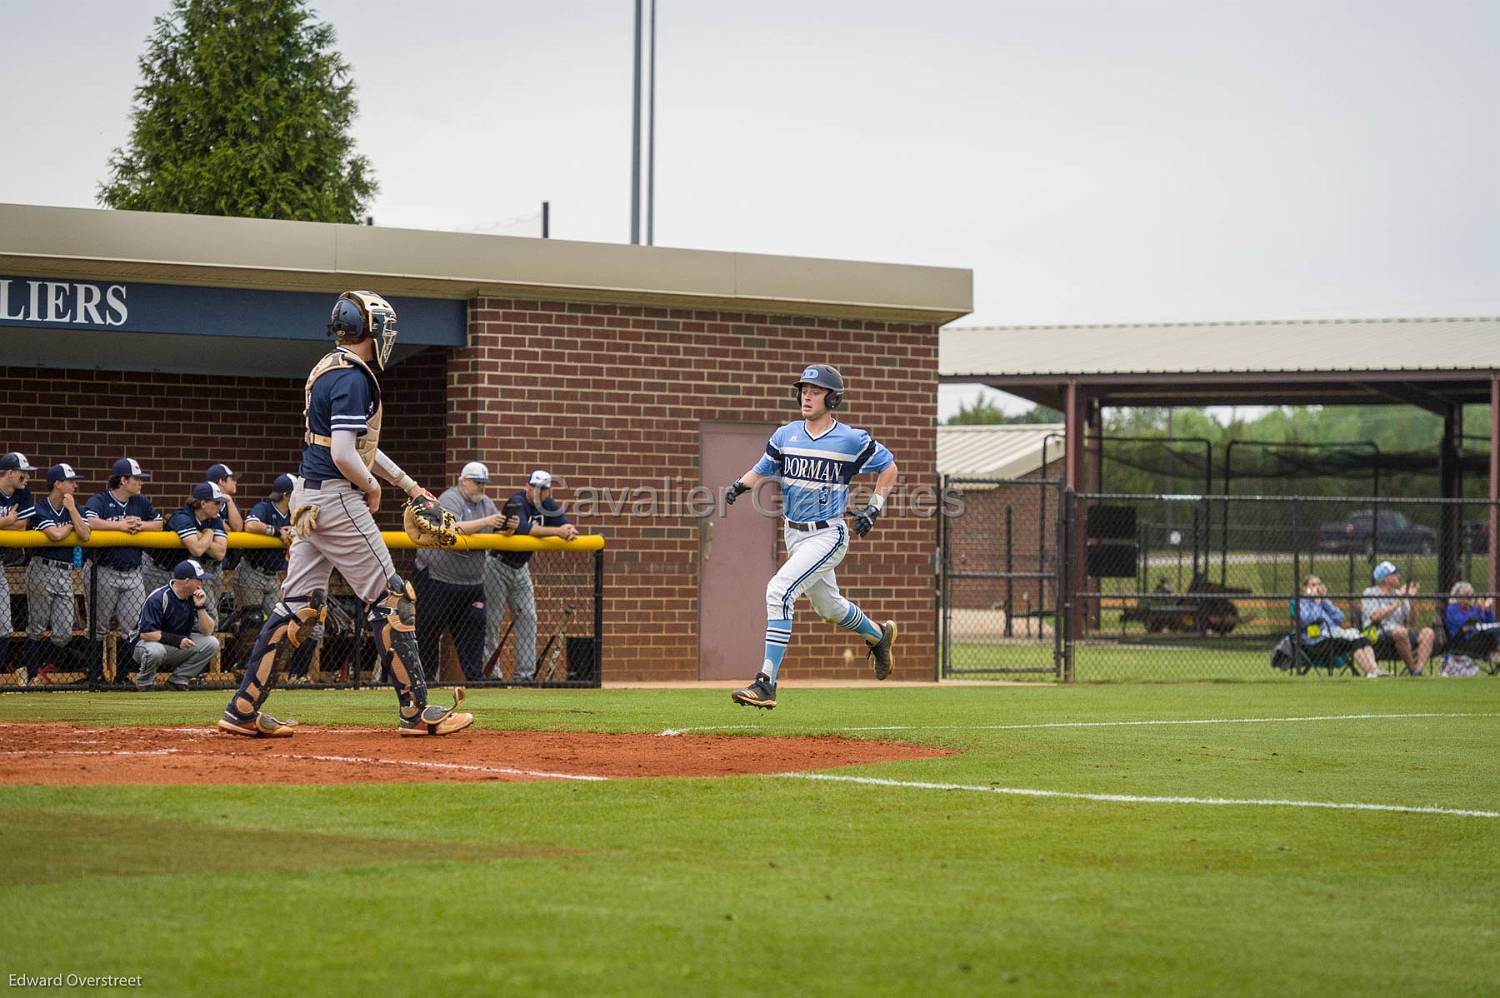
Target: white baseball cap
x,y
476,471
541,479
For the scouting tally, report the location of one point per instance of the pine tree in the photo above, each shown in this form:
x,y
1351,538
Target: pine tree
x,y
244,109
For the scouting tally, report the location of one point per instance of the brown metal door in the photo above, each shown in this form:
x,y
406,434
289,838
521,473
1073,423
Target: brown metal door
x,y
737,557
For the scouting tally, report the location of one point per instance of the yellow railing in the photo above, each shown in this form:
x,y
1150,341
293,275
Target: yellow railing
x,y
394,539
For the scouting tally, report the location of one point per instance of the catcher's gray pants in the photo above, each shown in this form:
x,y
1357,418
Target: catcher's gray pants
x,y
508,586
253,587
185,663
49,600
116,593
346,538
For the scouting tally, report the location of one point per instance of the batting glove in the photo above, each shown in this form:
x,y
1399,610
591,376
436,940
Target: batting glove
x,y
734,491
865,519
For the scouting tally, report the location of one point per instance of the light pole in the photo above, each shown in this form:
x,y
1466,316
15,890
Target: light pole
x,y
635,139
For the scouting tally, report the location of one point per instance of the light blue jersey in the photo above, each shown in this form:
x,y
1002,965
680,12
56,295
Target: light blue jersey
x,y
815,471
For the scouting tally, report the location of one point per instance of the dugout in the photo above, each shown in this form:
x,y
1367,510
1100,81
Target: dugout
x,y
632,373
1437,365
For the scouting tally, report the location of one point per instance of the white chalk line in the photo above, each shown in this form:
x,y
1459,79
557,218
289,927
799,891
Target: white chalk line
x,y
672,732
421,763
1137,799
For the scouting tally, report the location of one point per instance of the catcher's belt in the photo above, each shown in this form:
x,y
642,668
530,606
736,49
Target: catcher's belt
x,y
365,445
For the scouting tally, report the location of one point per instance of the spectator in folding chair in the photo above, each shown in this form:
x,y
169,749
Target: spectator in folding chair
x,y
1387,608
1324,635
1472,632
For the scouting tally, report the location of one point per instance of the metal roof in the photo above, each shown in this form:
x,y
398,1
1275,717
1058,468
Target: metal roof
x,y
1007,450
1321,346
1430,363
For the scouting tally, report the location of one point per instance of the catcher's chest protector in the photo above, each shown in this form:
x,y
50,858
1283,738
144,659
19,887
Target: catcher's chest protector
x,y
340,360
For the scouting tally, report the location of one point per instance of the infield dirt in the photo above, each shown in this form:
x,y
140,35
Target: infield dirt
x,y
69,755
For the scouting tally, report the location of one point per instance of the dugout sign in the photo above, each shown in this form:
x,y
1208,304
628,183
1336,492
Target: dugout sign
x,y
134,307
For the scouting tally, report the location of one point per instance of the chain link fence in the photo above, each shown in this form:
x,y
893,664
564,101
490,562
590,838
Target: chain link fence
x,y
1209,587
999,563
499,611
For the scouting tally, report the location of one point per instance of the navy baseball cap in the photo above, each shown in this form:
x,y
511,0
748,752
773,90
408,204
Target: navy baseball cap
x,y
217,473
60,473
15,461
208,490
187,568
127,467
283,484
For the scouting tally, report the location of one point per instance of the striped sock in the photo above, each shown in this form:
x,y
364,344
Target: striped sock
x,y
778,633
856,621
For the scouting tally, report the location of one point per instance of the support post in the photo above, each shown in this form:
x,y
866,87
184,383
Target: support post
x,y
1494,581
598,619
1450,474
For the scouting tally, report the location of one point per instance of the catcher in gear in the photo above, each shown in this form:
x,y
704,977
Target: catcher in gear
x,y
332,511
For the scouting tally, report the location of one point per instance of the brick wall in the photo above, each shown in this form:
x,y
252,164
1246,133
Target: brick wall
x,y
612,397
176,425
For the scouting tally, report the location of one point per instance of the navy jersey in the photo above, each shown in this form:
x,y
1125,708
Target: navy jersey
x,y
104,506
339,400
167,612
48,515
815,471
184,523
268,559
25,508
549,516
21,502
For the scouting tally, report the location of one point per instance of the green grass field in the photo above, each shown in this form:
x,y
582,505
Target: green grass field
x,y
789,886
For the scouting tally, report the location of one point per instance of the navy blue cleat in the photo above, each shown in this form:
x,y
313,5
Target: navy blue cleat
x,y
880,650
761,693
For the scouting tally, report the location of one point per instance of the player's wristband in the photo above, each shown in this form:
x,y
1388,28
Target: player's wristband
x,y
878,501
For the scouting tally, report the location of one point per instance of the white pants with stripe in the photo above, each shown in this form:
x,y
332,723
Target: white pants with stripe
x,y
812,556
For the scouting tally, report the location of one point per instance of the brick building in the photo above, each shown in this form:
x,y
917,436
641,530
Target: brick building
x,y
183,340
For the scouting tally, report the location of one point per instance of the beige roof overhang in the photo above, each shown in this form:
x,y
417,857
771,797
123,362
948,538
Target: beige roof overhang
x,y
37,241
1428,362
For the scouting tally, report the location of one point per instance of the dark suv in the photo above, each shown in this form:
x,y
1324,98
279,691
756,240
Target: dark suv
x,y
1395,534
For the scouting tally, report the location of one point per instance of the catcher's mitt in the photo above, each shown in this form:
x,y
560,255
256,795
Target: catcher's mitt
x,y
429,524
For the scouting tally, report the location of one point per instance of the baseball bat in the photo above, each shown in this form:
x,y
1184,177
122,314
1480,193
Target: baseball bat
x,y
494,658
554,652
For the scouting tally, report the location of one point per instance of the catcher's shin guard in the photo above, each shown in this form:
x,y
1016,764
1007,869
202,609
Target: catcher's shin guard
x,y
241,715
393,621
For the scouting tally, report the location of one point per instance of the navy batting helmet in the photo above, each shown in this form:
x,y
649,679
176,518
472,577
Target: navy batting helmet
x,y
824,376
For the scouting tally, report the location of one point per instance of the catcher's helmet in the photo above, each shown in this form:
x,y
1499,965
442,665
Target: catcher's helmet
x,y
824,376
358,314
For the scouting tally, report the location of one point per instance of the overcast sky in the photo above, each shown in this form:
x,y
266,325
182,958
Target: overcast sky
x,y
1089,160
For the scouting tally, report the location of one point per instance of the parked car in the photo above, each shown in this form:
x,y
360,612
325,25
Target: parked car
x,y
1393,533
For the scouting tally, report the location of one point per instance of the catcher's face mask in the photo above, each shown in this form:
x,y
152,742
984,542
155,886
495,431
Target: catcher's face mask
x,y
371,316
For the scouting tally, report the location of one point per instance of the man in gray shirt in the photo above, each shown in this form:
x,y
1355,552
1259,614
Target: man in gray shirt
x,y
1387,607
450,583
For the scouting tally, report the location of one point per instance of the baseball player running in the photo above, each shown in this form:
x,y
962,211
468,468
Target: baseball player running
x,y
332,513
816,457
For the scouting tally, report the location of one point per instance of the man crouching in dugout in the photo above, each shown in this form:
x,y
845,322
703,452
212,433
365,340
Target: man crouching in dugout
x,y
331,513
